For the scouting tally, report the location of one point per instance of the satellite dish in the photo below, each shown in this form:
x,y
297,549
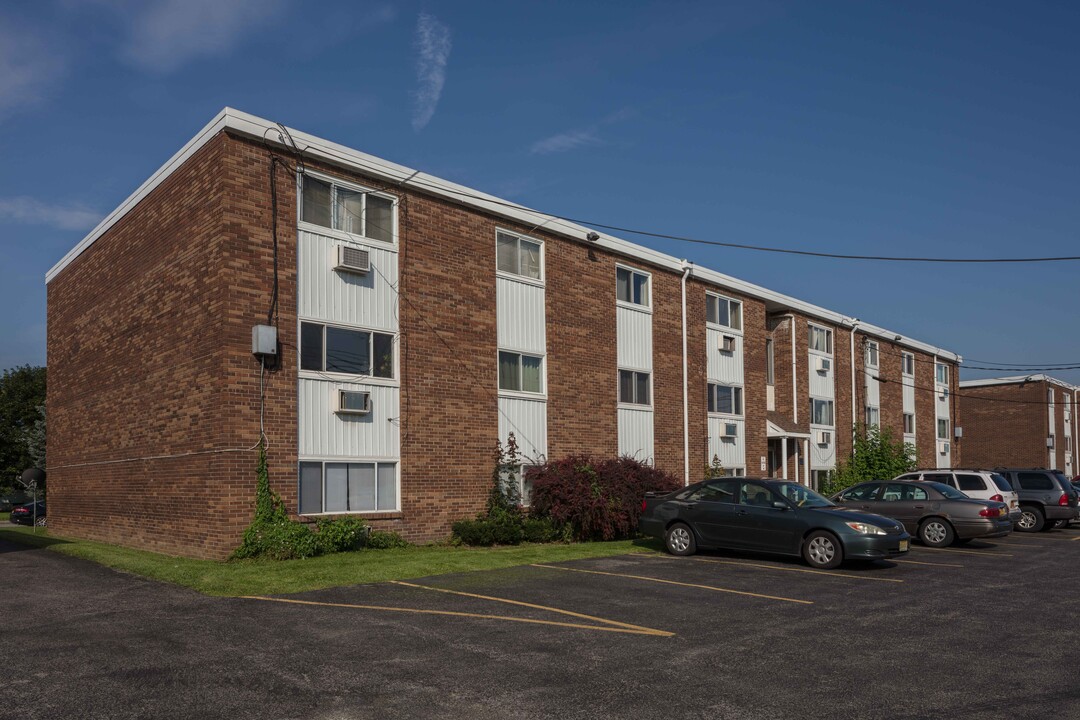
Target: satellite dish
x,y
32,477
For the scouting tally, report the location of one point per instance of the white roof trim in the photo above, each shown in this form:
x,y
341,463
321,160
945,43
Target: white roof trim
x,y
325,150
1016,380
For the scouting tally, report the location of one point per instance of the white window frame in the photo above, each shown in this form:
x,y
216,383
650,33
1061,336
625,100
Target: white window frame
x,y
874,351
811,327
875,411
912,416
509,275
832,412
351,461
618,389
370,378
641,307
711,388
940,369
521,393
335,183
939,437
770,362
711,296
907,359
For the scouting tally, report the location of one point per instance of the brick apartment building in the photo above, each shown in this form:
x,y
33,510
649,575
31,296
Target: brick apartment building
x,y
1021,421
418,321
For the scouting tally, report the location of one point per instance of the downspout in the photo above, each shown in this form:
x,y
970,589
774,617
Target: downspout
x,y
685,384
851,358
794,375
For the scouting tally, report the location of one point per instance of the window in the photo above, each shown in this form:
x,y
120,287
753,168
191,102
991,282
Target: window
x,y
358,212
821,412
631,286
907,363
725,399
336,487
634,387
756,495
770,363
873,416
970,482
941,373
723,311
327,348
1050,442
820,339
1001,482
522,481
1035,481
1068,443
943,478
903,492
819,477
909,423
520,373
871,354
517,255
942,429
861,492
719,491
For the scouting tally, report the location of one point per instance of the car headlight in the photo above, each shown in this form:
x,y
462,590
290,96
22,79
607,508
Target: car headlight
x,y
865,528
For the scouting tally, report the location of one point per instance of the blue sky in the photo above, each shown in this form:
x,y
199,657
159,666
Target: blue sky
x,y
943,129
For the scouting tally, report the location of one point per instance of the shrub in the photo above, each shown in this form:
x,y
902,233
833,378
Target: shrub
x,y
340,534
384,540
597,500
506,529
874,456
544,530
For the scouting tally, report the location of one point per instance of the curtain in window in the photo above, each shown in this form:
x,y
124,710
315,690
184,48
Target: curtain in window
x,y
350,211
530,259
622,285
387,486
506,253
626,386
337,488
641,289
530,374
509,373
642,396
361,486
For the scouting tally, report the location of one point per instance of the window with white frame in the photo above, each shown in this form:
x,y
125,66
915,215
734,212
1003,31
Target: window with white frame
x,y
941,372
907,363
521,481
909,423
519,372
518,255
330,348
820,339
820,477
943,429
725,399
770,363
723,311
873,416
632,286
634,387
821,412
349,209
871,354
735,472
347,487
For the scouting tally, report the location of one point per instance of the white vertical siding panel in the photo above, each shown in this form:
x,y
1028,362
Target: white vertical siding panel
x,y
724,367
732,453
909,393
822,384
527,419
634,333
873,392
324,433
520,311
348,298
636,433
822,457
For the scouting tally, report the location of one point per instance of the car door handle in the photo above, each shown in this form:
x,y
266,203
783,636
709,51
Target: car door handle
x,y
919,507
865,507
742,512
690,505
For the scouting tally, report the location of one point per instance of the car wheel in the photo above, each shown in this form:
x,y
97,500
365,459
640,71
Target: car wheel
x,y
936,533
1031,519
679,540
822,550
40,522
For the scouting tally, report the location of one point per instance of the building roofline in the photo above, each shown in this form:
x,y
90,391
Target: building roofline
x,y
318,148
1017,380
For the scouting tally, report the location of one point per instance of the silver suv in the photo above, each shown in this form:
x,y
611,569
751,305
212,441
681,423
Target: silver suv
x,y
978,484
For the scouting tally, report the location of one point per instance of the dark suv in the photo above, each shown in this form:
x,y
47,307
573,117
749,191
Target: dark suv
x,y
1046,496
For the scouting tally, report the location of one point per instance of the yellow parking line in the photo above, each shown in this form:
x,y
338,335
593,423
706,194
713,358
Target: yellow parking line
x,y
789,569
681,584
450,613
546,608
966,552
1074,538
916,562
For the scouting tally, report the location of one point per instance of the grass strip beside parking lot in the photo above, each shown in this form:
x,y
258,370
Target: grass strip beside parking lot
x,y
281,577
454,613
681,584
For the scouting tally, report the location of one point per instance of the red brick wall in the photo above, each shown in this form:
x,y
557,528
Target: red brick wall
x,y
842,366
1011,434
754,332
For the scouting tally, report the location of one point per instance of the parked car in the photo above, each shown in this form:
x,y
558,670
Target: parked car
x,y
978,484
26,514
769,516
1045,497
937,514
9,502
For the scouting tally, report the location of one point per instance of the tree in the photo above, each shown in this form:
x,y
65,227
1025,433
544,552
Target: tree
x,y
874,456
22,395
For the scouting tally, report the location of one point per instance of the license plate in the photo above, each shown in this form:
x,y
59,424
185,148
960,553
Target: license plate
x,y
903,546
1012,504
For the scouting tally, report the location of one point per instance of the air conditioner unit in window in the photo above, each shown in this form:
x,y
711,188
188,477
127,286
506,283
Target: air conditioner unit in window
x,y
353,259
824,437
727,343
352,402
943,447
731,431
823,365
943,392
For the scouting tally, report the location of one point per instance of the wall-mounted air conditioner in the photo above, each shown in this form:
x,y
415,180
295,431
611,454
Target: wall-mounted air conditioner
x,y
727,343
823,364
352,402
943,447
353,259
824,437
943,392
1050,442
731,431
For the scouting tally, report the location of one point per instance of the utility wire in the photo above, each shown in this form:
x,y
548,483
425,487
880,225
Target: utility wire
x,y
1044,403
965,366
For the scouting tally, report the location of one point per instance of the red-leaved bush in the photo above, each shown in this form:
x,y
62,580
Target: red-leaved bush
x,y
598,499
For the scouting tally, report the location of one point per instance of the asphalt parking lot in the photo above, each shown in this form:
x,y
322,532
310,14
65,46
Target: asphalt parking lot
x,y
984,631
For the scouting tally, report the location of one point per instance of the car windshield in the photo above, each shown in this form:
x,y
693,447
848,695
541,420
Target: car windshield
x,y
949,493
802,495
1001,482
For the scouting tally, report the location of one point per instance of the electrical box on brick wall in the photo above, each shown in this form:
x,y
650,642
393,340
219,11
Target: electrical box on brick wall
x,y
264,342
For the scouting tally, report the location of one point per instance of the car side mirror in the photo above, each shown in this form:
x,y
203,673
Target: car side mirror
x,y
780,505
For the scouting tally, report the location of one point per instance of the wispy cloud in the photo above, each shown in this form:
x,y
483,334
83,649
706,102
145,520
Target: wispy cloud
x,y
28,68
28,211
579,137
433,47
166,34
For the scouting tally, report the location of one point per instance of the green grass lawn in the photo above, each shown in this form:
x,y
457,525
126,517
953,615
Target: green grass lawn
x,y
264,577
